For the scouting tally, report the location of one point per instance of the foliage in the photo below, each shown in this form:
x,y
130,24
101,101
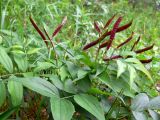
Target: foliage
x,y
61,74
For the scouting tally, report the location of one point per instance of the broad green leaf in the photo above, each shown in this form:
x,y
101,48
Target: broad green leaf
x,y
33,50
72,68
56,81
21,62
16,47
139,115
5,60
91,104
61,109
138,65
16,91
140,102
40,86
68,86
117,84
155,115
8,113
43,66
121,67
133,74
84,84
20,52
81,73
63,73
154,103
2,92
1,40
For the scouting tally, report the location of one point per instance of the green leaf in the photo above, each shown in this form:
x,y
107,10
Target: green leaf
x,y
154,103
61,109
91,104
139,115
40,86
1,40
155,115
2,92
117,84
121,67
22,63
43,66
68,86
16,91
72,68
139,66
56,81
8,113
140,102
5,60
33,50
20,52
133,74
63,73
84,84
81,73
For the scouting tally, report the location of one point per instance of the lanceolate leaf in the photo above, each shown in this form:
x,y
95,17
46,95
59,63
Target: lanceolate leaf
x,y
61,109
40,86
139,66
106,34
154,103
91,104
38,30
8,113
109,21
132,72
21,63
16,91
121,67
5,60
140,102
113,32
2,92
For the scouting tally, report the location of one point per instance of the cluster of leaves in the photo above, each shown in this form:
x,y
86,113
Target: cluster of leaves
x,y
77,84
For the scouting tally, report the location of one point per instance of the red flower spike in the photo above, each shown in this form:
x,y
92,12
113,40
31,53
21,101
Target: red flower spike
x,y
48,37
104,44
90,45
126,41
146,61
97,27
59,26
113,57
109,21
136,43
113,32
38,30
106,34
144,49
